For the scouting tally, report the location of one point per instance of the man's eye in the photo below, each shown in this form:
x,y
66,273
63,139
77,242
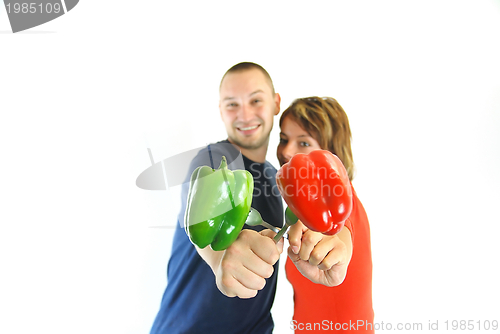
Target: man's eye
x,y
256,101
232,105
283,141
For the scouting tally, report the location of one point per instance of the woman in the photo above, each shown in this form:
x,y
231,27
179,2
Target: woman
x,y
331,275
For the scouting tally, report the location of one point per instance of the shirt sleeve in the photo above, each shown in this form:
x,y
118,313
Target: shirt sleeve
x,y
349,223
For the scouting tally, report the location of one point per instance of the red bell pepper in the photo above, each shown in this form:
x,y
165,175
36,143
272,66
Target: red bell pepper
x,y
317,189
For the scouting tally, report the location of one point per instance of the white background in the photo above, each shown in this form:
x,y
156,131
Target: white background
x,y
84,96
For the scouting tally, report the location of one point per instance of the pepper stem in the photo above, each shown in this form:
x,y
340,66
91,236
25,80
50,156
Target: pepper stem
x,y
223,167
290,219
278,236
223,163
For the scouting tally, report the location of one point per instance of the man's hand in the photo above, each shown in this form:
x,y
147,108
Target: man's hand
x,y
321,258
241,270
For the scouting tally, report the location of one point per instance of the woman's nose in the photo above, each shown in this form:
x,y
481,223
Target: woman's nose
x,y
288,151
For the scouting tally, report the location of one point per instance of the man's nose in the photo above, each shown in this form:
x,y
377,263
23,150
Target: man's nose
x,y
245,114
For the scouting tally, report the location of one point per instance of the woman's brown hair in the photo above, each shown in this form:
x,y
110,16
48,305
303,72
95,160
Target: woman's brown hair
x,y
326,121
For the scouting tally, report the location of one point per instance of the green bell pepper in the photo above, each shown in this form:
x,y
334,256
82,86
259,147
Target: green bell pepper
x,y
218,204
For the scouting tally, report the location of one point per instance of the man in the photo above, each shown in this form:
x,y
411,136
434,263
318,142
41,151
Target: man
x,y
231,291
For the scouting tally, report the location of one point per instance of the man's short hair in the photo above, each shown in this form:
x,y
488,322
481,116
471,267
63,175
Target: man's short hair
x,y
246,66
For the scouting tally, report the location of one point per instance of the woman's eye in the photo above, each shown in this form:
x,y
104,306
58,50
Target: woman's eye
x,y
283,141
304,144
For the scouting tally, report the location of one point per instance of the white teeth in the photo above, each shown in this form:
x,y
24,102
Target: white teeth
x,y
249,128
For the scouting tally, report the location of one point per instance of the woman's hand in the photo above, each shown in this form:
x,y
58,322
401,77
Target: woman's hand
x,y
321,258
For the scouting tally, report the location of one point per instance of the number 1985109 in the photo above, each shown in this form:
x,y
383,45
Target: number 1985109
x,y
33,8
471,325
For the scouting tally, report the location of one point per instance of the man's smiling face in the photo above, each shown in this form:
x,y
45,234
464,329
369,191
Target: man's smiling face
x,y
247,106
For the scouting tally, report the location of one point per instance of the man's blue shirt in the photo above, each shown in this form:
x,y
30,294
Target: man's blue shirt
x,y
192,303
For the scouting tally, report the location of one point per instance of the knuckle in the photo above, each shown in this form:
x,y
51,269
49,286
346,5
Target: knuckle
x,y
293,239
245,234
261,284
315,257
226,266
227,281
275,256
309,238
234,250
339,245
268,273
326,264
250,294
227,292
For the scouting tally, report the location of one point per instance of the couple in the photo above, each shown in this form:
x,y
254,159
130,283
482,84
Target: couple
x,y
232,291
